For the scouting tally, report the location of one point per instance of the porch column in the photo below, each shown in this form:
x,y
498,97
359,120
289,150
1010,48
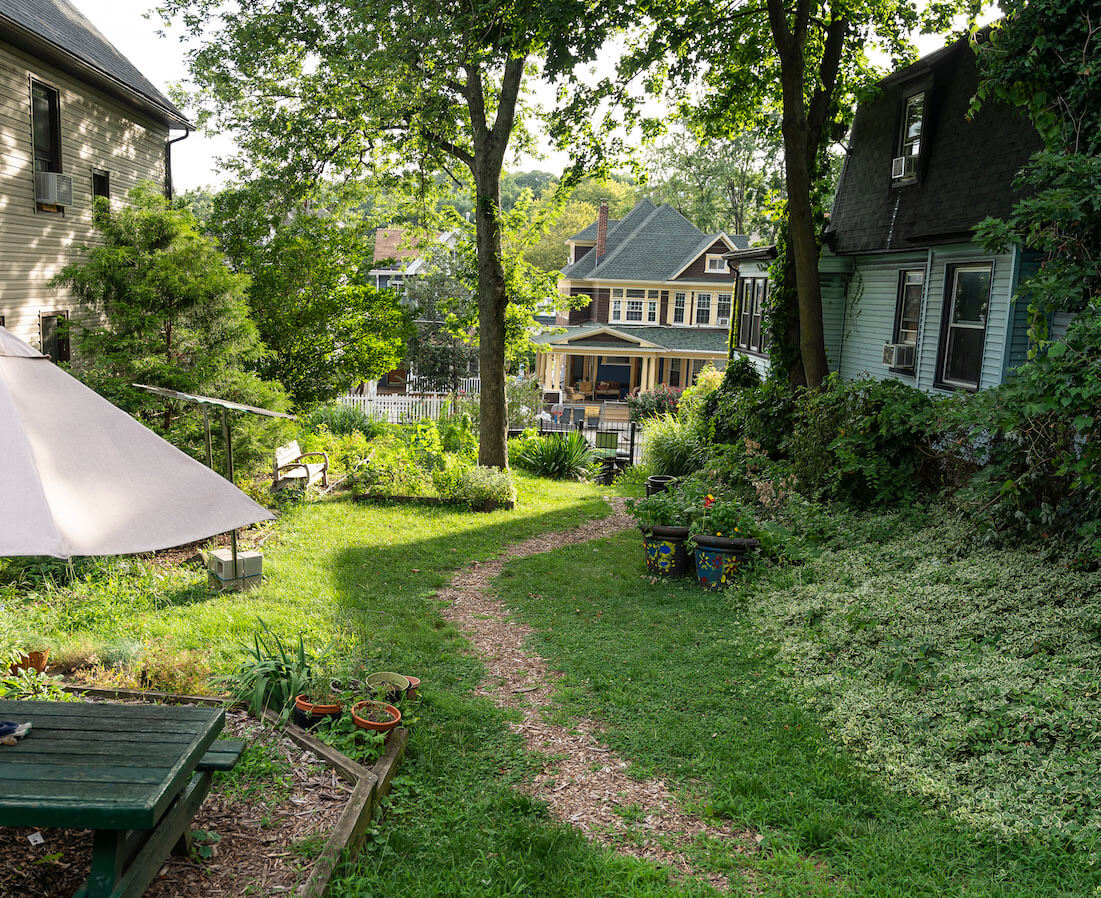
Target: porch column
x,y
563,368
548,371
633,380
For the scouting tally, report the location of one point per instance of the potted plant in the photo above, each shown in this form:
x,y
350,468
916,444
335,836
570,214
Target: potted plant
x,y
663,519
315,705
721,537
375,715
389,686
36,657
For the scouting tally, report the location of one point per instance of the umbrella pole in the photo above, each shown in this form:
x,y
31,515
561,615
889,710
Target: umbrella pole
x,y
229,475
206,430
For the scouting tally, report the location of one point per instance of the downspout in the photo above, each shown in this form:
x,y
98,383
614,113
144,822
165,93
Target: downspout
x,y
168,191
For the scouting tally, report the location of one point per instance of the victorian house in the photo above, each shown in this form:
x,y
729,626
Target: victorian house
x,y
657,297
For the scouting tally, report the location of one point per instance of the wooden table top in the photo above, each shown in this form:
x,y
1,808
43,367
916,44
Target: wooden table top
x,y
96,765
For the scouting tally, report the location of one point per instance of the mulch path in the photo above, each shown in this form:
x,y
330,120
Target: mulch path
x,y
590,782
256,853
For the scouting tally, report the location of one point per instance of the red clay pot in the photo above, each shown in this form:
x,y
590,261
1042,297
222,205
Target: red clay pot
x,y
37,660
395,716
414,682
303,704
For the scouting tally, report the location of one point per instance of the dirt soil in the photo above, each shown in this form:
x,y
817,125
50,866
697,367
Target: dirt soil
x,y
588,788
265,848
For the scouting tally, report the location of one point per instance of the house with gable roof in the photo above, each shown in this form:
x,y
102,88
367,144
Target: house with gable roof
x,y
77,121
660,298
907,293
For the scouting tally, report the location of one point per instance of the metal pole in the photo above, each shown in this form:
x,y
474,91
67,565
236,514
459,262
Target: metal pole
x,y
206,431
229,476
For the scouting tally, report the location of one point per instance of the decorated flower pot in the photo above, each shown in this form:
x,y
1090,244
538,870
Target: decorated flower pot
x,y
665,551
717,558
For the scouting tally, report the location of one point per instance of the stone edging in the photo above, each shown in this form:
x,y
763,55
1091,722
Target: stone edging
x,y
370,784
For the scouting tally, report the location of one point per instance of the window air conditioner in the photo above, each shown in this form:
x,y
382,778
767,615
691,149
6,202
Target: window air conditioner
x,y
52,188
898,355
903,167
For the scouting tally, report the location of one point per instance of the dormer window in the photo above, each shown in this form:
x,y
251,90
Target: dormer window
x,y
904,165
716,264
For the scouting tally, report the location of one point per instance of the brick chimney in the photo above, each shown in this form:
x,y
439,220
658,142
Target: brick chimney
x,y
601,232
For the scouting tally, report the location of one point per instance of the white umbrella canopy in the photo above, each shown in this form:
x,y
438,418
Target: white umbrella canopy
x,y
79,476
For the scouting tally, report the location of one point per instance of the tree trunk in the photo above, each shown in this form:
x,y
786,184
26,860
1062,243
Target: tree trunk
x,y
804,244
492,299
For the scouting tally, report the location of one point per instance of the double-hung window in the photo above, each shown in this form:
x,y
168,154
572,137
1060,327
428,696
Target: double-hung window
x,y
963,332
722,309
905,165
635,302
752,293
703,308
911,285
680,300
615,312
674,372
46,127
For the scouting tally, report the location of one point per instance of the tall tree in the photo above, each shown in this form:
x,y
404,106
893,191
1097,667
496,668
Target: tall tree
x,y
730,185
411,87
795,64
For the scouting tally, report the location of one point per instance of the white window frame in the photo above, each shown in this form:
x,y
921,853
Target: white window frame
x,y
721,268
635,308
947,325
651,311
680,307
701,307
616,309
721,319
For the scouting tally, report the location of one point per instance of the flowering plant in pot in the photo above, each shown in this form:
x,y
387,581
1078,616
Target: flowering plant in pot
x,y
663,519
722,534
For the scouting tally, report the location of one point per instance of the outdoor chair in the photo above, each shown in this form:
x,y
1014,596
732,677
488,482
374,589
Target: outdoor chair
x,y
292,471
592,415
585,388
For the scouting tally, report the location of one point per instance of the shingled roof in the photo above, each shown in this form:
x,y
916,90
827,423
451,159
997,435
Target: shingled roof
x,y
966,170
675,339
56,31
650,243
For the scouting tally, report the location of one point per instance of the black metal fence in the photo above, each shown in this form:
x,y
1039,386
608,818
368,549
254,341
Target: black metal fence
x,y
613,436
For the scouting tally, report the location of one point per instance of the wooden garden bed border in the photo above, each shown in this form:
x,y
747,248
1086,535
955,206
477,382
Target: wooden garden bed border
x,y
432,500
370,785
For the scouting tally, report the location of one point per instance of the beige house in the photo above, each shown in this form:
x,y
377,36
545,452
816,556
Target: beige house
x,y
77,121
661,297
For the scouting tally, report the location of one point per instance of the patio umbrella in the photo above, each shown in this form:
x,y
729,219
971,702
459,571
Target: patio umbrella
x,y
79,476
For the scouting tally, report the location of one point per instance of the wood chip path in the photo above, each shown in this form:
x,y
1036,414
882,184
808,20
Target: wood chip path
x,y
583,782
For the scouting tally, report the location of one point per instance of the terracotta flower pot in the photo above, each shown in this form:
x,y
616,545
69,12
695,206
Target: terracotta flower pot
x,y
310,715
396,686
665,552
37,660
414,682
379,727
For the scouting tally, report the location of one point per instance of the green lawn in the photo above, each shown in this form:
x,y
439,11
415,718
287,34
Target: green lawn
x,y
747,701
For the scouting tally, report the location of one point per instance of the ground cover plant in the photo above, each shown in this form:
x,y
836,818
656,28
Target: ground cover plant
x,y
898,715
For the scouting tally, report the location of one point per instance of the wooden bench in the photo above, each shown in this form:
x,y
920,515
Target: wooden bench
x,y
291,471
133,774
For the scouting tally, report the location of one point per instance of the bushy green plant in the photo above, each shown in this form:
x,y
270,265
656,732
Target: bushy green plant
x,y
342,420
661,400
390,468
272,674
558,456
765,414
672,446
457,434
669,508
30,685
693,399
475,485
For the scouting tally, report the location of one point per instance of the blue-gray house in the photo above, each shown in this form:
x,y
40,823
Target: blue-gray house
x,y
907,292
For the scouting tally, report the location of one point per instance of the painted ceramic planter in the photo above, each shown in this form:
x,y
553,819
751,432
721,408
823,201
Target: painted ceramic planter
x,y
665,551
718,558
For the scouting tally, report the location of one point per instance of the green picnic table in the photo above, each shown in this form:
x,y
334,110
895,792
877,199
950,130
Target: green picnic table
x,y
134,774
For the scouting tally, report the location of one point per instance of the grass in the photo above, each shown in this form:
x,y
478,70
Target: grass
x,y
742,701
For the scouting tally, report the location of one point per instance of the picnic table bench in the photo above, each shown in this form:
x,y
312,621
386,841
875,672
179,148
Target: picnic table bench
x,y
134,774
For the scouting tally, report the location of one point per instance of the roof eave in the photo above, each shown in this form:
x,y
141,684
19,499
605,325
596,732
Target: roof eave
x,y
43,48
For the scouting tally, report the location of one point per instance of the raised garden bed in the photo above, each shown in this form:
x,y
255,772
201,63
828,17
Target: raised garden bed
x,y
290,846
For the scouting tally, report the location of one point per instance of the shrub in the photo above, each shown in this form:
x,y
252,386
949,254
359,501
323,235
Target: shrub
x,y
669,508
524,398
672,446
343,420
765,414
457,434
662,400
558,456
474,485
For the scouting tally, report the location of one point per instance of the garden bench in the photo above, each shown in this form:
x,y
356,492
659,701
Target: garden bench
x,y
133,774
291,470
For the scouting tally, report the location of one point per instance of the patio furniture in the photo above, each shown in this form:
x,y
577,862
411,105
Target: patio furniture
x,y
607,443
574,395
585,388
605,389
592,415
291,470
134,774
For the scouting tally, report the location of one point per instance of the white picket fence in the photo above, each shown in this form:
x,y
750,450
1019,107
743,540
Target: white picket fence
x,y
398,408
467,385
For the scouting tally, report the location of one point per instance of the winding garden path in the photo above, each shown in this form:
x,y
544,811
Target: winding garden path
x,y
583,782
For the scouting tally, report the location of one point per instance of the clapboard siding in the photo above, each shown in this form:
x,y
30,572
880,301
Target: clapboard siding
x,y
869,317
97,132
1017,348
833,313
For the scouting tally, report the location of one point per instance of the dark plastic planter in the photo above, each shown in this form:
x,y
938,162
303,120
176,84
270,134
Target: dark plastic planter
x,y
658,483
717,558
665,552
309,715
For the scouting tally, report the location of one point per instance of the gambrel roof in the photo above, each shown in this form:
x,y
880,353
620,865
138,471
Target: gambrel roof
x,y
650,243
57,32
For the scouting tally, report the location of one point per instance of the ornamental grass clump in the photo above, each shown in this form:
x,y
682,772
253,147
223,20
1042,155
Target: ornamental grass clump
x,y
672,446
558,456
